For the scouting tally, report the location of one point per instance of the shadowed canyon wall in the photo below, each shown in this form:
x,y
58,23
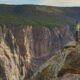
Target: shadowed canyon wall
x,y
24,48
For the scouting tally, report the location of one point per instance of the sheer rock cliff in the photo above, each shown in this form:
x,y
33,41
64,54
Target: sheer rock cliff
x,y
24,48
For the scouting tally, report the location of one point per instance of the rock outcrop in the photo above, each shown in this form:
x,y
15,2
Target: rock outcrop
x,y
64,65
24,48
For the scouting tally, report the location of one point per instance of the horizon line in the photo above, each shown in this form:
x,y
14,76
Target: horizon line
x,y
37,5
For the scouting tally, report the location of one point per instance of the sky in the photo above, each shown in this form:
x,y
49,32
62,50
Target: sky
x,y
43,2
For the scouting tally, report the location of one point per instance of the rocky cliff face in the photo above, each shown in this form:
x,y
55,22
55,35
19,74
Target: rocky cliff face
x,y
24,48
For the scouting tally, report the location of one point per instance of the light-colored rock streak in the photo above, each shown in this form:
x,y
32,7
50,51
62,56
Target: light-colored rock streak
x,y
9,66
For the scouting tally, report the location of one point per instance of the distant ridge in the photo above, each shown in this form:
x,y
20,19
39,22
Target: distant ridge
x,y
38,14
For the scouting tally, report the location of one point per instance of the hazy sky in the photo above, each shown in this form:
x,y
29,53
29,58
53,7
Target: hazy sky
x,y
43,2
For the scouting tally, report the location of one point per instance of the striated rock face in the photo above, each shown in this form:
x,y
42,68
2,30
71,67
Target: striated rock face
x,y
23,48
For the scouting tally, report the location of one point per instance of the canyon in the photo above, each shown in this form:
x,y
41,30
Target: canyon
x,y
25,48
38,43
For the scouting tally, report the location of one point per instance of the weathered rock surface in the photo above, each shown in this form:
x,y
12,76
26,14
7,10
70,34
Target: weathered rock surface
x,y
64,65
51,68
23,48
71,77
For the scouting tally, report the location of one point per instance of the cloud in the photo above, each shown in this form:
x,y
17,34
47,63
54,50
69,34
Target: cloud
x,y
13,1
44,2
60,2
